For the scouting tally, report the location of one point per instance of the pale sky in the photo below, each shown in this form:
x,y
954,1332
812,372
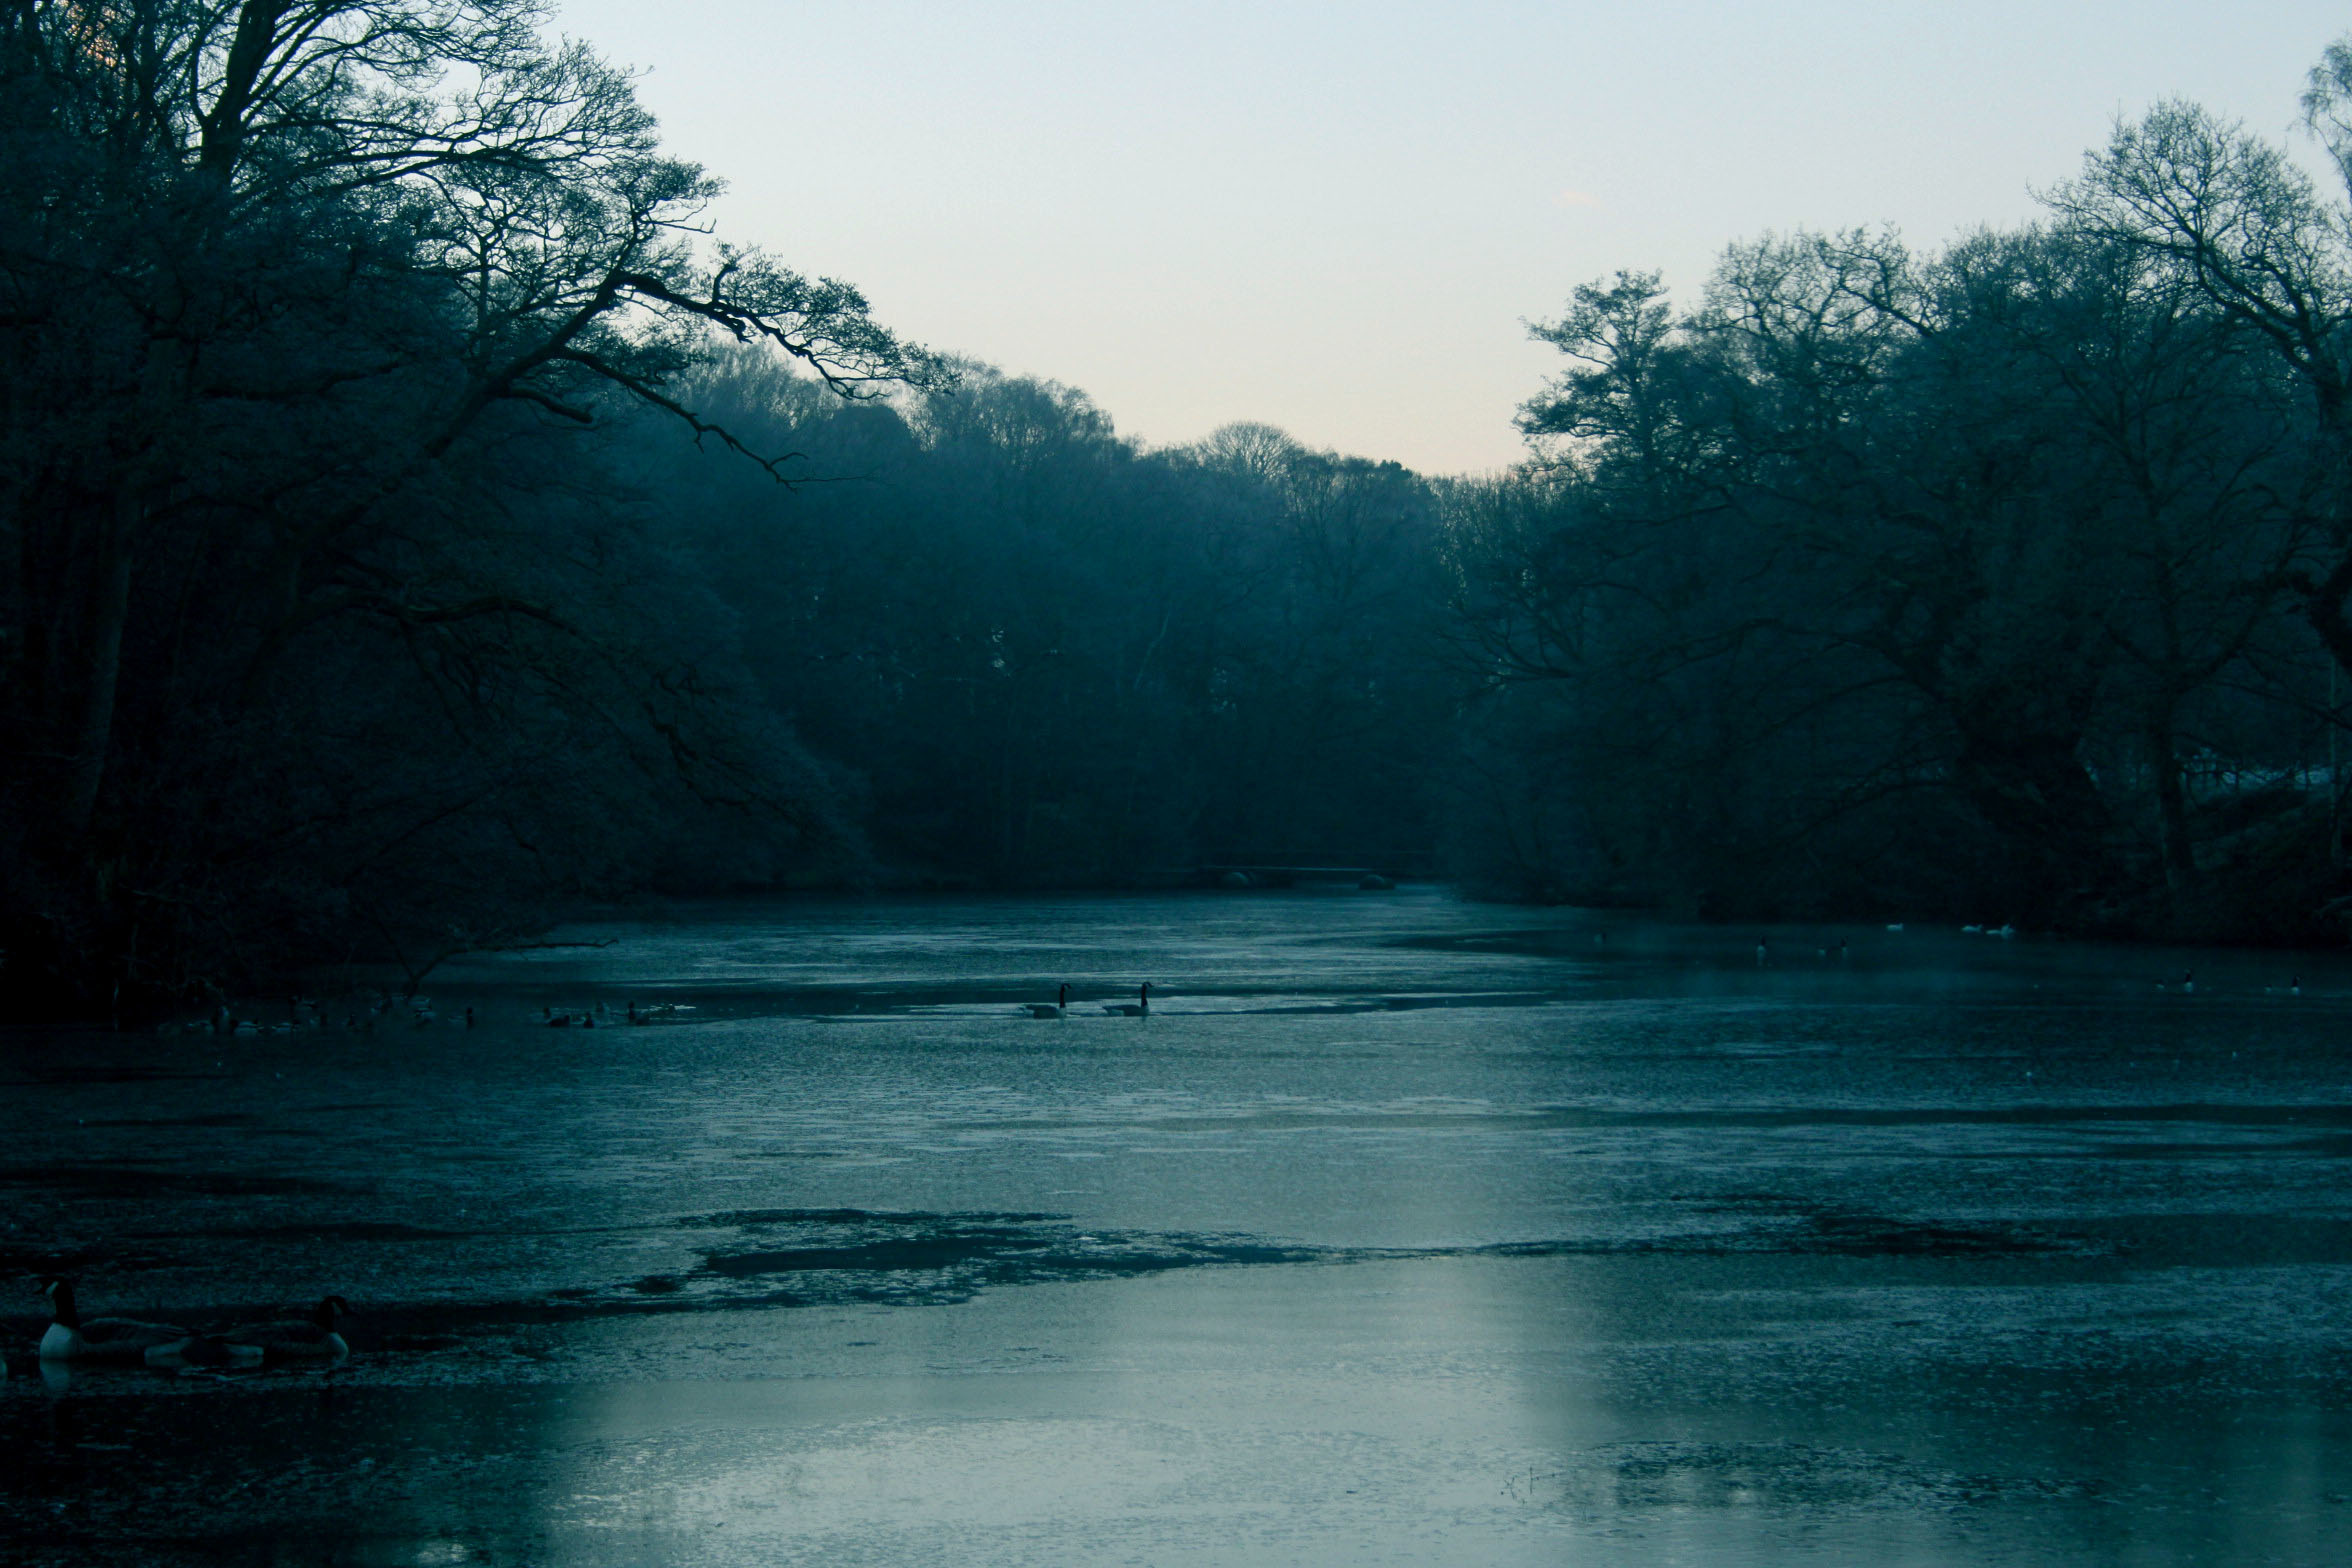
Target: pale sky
x,y
1337,218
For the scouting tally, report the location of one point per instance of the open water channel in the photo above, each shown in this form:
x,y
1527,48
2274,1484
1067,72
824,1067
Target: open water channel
x,y
1402,1231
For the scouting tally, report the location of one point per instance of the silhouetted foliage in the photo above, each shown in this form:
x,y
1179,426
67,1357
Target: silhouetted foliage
x,y
414,526
1995,581
316,312
1055,659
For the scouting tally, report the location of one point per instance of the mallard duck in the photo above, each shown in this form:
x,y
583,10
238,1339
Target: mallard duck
x,y
1053,1009
289,1339
70,1338
1136,1009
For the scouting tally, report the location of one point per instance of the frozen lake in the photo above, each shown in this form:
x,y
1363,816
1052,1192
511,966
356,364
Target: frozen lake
x,y
1401,1231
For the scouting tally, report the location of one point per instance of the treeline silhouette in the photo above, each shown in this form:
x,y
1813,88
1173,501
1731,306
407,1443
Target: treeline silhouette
x,y
415,528
1039,656
326,627
2007,580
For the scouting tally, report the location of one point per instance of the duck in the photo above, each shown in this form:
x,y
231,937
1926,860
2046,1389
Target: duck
x,y
291,1339
1140,1008
1053,1009
71,1338
208,1351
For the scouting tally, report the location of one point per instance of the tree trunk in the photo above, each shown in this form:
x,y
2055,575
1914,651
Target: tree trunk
x,y
2172,816
2033,790
101,669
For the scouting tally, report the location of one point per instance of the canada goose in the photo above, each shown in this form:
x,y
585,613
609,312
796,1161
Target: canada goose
x,y
1140,1008
290,1339
1053,1009
204,1350
69,1338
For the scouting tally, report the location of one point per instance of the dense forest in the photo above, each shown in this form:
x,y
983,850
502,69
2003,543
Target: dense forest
x,y
2008,581
415,526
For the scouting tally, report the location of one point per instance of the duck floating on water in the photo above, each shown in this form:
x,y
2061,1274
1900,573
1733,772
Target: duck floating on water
x,y
1140,1008
203,1352
1053,1009
70,1337
311,1339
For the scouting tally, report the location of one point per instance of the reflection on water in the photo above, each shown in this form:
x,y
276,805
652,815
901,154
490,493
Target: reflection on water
x,y
1402,1231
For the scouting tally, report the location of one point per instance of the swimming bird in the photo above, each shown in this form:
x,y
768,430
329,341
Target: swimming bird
x,y
312,1339
1054,1008
1136,1009
72,1338
204,1350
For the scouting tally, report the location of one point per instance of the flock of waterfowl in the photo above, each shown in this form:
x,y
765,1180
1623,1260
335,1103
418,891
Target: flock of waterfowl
x,y
108,1341
602,1013
303,1013
416,1012
1059,1007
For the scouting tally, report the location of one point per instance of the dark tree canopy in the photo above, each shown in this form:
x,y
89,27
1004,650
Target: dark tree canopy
x,y
2006,580
414,523
316,314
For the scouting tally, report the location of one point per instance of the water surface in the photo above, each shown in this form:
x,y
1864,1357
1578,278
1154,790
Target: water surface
x,y
1403,1230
